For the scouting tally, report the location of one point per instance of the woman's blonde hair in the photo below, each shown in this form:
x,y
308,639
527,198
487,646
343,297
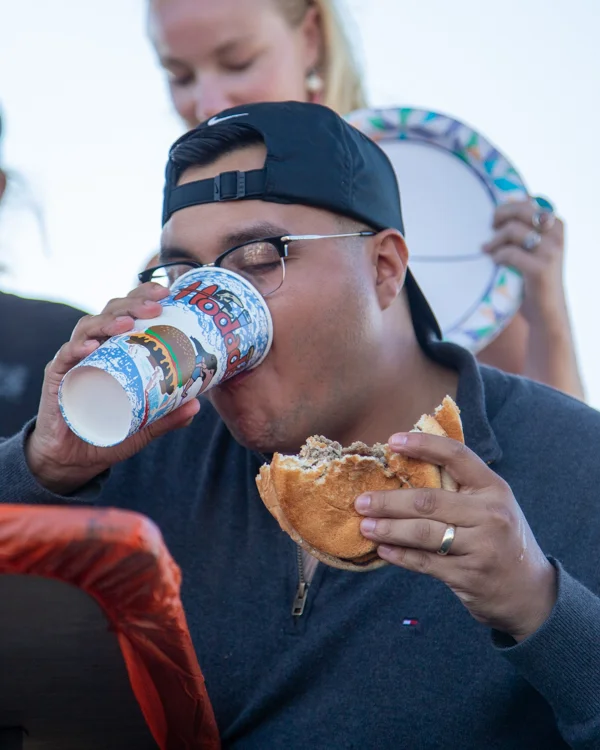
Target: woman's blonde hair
x,y
343,87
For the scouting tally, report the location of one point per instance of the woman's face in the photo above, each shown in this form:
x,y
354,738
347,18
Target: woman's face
x,y
223,53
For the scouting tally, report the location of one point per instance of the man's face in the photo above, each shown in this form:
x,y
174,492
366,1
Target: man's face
x,y
326,315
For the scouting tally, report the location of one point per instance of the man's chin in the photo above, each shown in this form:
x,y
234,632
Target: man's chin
x,y
251,427
242,416
251,435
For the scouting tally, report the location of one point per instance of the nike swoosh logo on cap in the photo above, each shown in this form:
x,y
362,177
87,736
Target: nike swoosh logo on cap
x,y
216,120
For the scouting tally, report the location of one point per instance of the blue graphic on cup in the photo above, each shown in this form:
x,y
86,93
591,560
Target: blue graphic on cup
x,y
214,325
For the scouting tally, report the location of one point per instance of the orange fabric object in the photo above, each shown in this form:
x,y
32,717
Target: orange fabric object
x,y
119,558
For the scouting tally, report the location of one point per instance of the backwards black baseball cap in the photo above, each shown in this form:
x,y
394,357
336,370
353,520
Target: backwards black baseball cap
x,y
314,158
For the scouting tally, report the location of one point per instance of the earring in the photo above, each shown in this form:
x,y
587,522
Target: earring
x,y
314,83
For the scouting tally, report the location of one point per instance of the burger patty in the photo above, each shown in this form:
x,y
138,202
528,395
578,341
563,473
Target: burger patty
x,y
319,449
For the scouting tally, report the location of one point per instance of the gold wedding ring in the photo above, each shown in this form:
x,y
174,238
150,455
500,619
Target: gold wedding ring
x,y
447,540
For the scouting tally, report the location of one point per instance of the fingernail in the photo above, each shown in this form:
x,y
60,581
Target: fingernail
x,y
398,440
150,303
368,525
362,502
90,344
122,318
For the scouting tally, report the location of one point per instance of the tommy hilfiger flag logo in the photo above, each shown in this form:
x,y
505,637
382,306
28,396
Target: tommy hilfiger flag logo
x,y
411,623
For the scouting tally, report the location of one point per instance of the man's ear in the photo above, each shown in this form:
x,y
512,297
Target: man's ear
x,y
2,183
390,258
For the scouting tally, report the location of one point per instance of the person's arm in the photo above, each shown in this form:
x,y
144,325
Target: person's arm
x,y
551,357
19,486
497,569
532,241
561,660
46,462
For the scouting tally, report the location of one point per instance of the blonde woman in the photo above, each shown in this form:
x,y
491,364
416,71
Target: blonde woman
x,y
222,54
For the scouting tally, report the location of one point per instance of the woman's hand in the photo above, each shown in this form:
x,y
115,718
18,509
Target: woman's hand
x,y
530,238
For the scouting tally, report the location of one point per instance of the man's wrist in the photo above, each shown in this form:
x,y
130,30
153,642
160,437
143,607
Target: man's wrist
x,y
541,607
53,477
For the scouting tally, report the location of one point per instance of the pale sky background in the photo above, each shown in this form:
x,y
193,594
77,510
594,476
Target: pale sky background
x,y
89,125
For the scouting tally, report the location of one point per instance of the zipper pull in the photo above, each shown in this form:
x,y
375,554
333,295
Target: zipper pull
x,y
300,599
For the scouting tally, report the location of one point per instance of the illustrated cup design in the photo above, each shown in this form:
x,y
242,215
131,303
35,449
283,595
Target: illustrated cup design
x,y
213,326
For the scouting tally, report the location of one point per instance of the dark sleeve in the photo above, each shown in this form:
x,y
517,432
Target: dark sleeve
x,y
562,661
18,485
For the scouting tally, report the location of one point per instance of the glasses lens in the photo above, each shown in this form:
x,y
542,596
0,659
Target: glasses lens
x,y
259,263
168,275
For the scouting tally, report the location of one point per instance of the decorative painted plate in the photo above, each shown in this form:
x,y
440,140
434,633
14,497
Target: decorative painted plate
x,y
451,180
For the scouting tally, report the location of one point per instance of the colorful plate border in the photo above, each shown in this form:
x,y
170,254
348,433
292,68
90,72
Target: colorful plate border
x,y
503,297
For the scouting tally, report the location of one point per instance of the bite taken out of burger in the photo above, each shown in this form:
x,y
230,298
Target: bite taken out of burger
x,y
312,494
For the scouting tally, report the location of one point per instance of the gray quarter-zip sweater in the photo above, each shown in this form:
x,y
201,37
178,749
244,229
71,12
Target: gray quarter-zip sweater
x,y
387,659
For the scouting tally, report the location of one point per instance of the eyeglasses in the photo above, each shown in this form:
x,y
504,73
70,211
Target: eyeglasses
x,y
261,262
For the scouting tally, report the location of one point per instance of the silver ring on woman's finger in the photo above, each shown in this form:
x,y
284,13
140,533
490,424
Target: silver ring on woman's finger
x,y
531,241
447,540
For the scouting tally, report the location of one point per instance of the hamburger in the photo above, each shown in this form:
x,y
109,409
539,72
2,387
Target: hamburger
x,y
312,495
170,350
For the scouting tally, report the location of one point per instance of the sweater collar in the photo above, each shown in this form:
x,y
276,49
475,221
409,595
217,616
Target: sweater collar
x,y
470,397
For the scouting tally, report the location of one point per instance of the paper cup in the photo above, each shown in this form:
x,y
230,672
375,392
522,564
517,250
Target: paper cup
x,y
214,325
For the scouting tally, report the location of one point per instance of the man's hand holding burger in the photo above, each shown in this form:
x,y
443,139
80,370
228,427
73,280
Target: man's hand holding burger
x,y
492,560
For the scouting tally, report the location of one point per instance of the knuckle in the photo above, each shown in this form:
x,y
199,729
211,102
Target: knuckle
x,y
459,452
415,439
61,353
501,517
380,501
82,324
481,563
50,364
472,580
503,213
426,501
423,531
383,528
411,559
421,562
141,290
515,229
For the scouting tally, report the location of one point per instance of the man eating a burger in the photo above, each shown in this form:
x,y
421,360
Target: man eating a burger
x,y
483,628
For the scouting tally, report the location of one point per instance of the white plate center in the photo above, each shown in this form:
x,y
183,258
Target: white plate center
x,y
447,212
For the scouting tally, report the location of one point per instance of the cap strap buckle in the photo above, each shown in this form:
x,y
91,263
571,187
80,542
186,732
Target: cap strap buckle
x,y
229,186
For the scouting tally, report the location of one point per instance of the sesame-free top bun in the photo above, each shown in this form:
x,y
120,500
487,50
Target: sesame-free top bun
x,y
312,495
